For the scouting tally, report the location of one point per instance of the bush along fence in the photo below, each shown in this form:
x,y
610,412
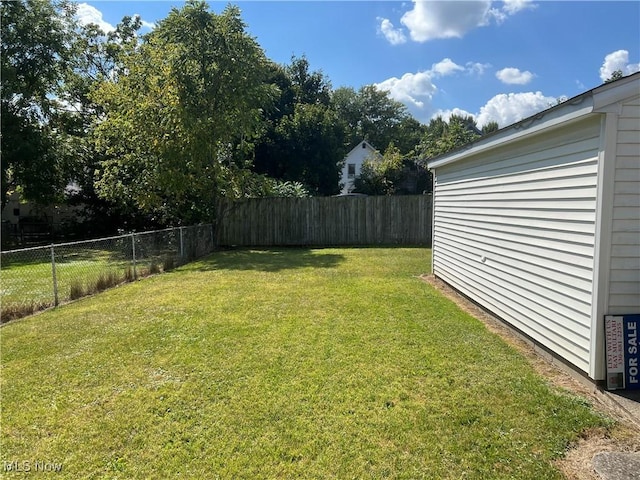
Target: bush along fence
x,y
36,278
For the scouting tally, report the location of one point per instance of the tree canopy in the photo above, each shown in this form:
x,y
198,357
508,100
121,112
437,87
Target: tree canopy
x,y
380,176
182,115
372,114
157,127
304,139
441,136
34,57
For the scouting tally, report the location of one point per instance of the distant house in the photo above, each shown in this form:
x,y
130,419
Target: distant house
x,y
26,222
539,222
353,164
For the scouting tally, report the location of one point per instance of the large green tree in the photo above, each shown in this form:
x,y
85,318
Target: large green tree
x,y
309,87
304,138
98,57
380,176
309,148
35,56
182,115
442,136
490,127
371,114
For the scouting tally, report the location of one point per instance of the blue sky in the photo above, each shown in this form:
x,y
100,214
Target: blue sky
x,y
499,61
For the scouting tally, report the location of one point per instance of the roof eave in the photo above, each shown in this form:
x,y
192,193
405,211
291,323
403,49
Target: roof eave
x,y
612,93
359,145
596,100
564,114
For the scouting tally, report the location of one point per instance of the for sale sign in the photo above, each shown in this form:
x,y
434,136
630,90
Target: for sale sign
x,y
623,355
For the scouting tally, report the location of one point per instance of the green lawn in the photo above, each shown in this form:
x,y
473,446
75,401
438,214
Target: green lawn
x,y
300,363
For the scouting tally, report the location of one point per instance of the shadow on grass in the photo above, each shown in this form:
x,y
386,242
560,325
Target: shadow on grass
x,y
268,260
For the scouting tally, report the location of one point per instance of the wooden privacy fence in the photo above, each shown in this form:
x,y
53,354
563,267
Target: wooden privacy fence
x,y
350,220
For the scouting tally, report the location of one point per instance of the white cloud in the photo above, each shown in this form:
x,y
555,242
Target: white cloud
x,y
432,19
476,68
413,89
416,90
512,7
505,108
446,114
437,19
446,67
395,36
87,14
618,60
145,24
508,108
512,76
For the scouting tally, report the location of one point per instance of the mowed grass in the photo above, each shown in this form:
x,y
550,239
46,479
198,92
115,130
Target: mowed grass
x,y
299,363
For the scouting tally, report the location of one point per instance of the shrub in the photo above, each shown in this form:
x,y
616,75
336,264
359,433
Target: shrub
x,y
76,290
105,280
154,268
128,274
169,263
19,310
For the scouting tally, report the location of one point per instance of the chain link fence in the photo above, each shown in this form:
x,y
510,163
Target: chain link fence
x,y
36,278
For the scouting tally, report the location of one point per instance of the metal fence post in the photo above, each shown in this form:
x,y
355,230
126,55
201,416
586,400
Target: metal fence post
x,y
213,238
181,244
55,278
133,251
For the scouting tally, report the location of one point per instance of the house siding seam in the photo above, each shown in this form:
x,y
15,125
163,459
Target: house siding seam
x,y
514,229
624,275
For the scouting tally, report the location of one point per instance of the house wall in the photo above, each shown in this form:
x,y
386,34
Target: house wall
x,y
624,274
514,229
356,156
26,222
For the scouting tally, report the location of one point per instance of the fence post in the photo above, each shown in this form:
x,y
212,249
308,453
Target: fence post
x,y
55,278
213,238
133,251
181,245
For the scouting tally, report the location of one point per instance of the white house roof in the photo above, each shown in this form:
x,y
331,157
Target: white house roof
x,y
359,146
595,100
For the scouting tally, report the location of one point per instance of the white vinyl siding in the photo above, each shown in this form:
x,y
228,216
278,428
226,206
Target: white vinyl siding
x,y
624,277
514,230
353,164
